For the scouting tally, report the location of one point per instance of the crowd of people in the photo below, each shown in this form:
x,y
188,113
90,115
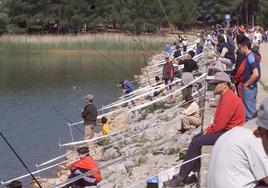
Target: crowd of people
x,y
244,162
237,55
238,132
238,158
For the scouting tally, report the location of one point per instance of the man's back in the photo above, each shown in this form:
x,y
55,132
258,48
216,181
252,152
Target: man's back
x,y
238,160
189,65
128,85
87,163
90,113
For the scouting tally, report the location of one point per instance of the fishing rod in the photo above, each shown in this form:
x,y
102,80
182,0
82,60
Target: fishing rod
x,y
17,155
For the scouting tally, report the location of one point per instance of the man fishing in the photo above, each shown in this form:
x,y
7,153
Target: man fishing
x,y
89,113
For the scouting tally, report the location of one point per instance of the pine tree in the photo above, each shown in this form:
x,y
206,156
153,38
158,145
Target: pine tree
x,y
184,13
3,15
264,12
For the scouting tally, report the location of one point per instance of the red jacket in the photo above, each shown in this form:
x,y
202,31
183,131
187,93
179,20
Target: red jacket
x,y
88,164
168,71
230,112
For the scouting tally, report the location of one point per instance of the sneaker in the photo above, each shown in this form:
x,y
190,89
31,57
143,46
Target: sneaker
x,y
174,182
190,179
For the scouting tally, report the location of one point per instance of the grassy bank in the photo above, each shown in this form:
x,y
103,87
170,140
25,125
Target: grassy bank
x,y
104,42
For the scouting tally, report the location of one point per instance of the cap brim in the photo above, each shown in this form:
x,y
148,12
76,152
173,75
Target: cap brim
x,y
214,81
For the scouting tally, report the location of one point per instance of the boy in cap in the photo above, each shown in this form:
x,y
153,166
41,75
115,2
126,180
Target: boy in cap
x,y
230,112
240,156
89,114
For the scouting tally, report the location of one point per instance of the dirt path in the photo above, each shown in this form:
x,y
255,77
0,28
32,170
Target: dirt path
x,y
264,74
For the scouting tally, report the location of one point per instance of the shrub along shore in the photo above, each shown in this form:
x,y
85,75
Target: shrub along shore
x,y
103,42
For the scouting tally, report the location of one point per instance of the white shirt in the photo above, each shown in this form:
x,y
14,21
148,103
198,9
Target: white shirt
x,y
238,160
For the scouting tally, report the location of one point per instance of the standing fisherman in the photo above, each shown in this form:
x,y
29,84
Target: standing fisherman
x,y
189,66
89,113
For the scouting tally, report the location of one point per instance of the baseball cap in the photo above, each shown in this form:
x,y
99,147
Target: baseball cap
x,y
262,116
220,77
89,97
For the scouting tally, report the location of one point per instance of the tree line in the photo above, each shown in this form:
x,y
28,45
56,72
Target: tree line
x,y
69,16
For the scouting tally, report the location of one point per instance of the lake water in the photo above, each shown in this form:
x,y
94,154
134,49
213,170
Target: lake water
x,y
36,91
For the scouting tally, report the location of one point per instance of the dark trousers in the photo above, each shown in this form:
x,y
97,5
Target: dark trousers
x,y
81,182
194,150
187,92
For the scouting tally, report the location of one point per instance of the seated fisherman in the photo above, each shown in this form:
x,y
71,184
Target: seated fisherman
x,y
85,164
230,112
191,115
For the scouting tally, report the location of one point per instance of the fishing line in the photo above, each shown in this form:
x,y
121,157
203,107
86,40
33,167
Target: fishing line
x,y
107,58
53,93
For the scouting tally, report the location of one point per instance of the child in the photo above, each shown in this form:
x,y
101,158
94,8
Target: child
x,y
105,126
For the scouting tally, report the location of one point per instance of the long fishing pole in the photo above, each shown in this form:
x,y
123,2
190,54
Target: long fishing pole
x,y
9,145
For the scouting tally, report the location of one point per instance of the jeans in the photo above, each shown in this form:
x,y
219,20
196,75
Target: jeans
x,y
249,100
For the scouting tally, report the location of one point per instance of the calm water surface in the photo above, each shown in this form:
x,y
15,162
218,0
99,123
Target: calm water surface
x,y
36,88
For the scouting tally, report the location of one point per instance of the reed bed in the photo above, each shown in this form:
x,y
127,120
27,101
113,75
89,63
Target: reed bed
x,y
104,42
